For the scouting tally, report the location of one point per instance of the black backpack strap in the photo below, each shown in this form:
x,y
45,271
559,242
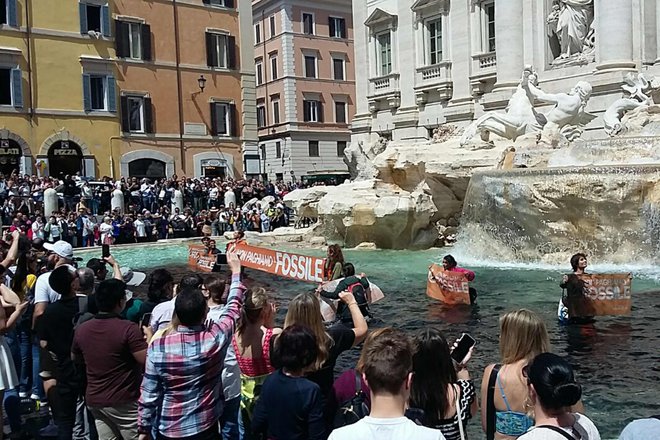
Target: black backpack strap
x,y
358,383
490,403
558,431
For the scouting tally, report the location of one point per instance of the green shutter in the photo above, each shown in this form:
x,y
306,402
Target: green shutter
x,y
105,20
12,13
87,92
112,93
17,88
82,10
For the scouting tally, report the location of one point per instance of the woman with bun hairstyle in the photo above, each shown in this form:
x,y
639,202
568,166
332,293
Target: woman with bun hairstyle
x,y
553,390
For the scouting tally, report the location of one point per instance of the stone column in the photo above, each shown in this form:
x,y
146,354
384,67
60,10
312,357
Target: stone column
x,y
509,42
614,39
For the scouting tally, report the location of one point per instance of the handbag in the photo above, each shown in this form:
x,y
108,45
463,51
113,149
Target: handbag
x,y
461,429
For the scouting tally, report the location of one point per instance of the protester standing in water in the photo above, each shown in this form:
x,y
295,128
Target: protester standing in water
x,y
572,289
450,265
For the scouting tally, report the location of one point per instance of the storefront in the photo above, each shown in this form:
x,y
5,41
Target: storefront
x,y
65,158
10,156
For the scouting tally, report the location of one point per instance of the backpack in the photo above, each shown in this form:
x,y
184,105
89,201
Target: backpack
x,y
354,408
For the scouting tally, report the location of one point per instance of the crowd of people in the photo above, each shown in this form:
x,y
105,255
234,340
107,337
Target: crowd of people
x,y
151,210
202,357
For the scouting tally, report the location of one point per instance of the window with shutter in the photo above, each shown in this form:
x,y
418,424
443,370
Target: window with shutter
x,y
122,44
261,116
257,33
260,72
276,110
146,42
105,20
87,92
17,87
135,108
112,93
97,92
221,115
211,53
8,12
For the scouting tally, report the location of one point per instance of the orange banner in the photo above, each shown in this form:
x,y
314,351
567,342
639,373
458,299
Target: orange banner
x,y
198,258
603,294
284,264
448,287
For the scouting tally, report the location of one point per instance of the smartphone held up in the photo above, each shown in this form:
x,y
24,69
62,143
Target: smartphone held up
x,y
462,348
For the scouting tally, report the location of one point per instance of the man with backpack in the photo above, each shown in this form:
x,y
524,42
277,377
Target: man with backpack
x,y
358,286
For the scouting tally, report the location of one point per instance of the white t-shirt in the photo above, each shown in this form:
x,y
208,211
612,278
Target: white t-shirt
x,y
140,228
400,428
42,291
583,427
231,373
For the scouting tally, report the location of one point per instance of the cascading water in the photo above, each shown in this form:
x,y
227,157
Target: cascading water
x,y
544,215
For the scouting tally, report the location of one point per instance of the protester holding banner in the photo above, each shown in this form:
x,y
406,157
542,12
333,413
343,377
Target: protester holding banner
x,y
450,265
334,264
573,290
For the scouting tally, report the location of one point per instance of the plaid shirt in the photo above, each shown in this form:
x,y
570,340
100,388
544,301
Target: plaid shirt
x,y
182,389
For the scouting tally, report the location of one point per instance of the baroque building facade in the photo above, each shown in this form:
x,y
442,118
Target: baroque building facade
x,y
432,62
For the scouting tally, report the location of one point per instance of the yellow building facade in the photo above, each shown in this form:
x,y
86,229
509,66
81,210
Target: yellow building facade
x,y
58,93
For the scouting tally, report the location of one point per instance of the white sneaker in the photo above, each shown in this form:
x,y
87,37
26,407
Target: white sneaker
x,y
33,396
22,394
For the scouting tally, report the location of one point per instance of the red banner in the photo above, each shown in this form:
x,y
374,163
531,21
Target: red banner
x,y
448,287
198,258
603,294
284,264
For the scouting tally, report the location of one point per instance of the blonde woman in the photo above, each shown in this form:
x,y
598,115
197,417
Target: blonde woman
x,y
504,394
305,310
252,345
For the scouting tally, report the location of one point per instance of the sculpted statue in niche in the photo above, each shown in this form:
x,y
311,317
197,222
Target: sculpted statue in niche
x,y
636,108
566,119
518,118
570,32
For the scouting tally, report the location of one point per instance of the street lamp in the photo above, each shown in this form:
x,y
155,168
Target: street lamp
x,y
201,82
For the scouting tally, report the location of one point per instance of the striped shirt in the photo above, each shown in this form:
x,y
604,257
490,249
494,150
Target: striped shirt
x,y
181,390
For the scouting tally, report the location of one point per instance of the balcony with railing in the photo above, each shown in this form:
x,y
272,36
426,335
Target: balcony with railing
x,y
384,88
484,71
384,85
434,78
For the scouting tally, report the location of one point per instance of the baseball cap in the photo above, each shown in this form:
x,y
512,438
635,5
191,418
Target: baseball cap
x,y
61,248
132,278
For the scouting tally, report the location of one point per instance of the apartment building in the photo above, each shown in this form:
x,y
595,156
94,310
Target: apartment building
x,y
305,100
58,106
126,88
184,72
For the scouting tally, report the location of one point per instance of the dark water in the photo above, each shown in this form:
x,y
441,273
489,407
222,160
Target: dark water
x,y
617,360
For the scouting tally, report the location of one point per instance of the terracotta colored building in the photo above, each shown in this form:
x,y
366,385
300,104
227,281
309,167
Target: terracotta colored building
x,y
304,64
184,72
